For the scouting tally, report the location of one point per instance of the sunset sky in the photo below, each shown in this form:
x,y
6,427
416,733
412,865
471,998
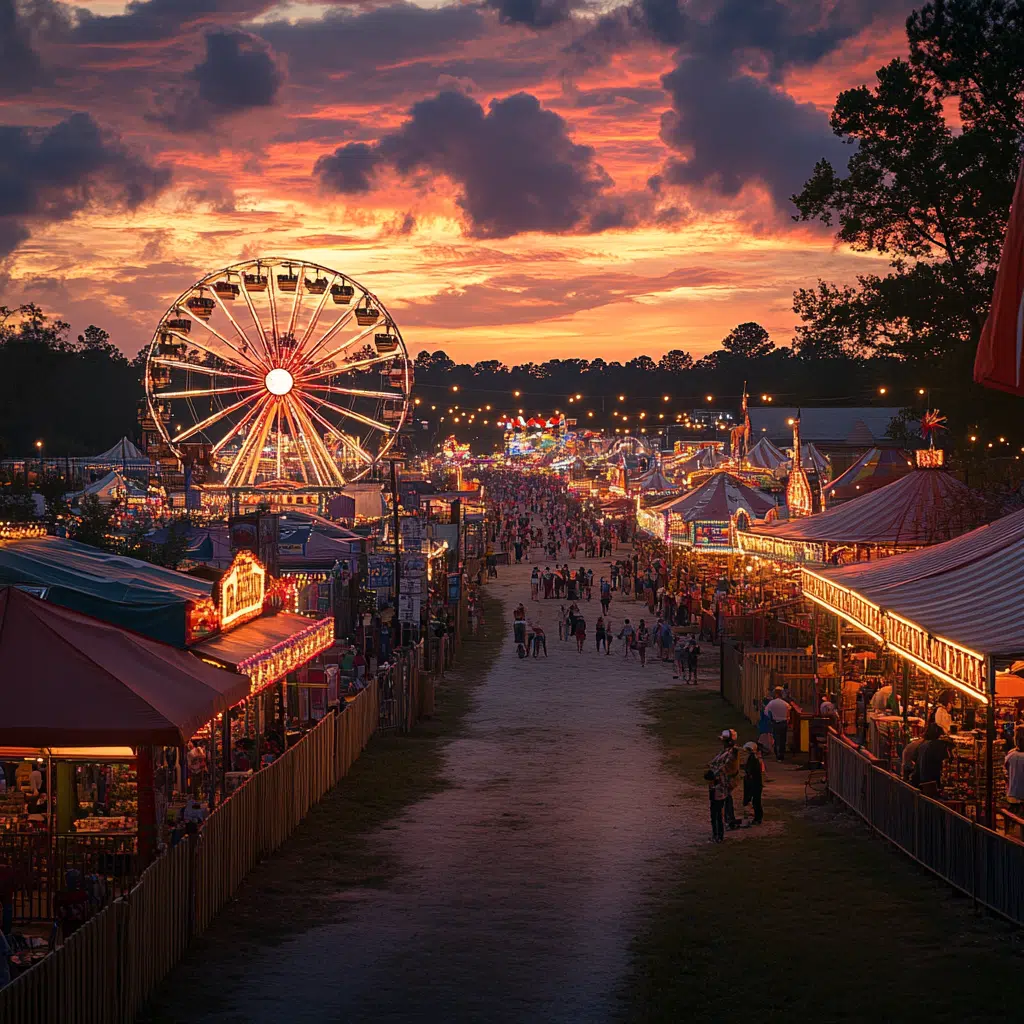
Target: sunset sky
x,y
516,179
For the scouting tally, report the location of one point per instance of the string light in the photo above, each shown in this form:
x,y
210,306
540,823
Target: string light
x,y
276,662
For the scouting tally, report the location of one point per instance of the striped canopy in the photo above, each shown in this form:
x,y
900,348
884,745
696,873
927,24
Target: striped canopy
x,y
718,500
924,507
875,468
969,590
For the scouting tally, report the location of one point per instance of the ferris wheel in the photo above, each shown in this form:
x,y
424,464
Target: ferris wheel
x,y
283,370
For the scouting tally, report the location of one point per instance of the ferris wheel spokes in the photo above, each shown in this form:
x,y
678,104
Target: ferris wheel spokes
x,y
207,392
175,364
257,322
242,423
210,420
356,448
330,332
357,364
320,458
337,389
357,416
246,340
315,317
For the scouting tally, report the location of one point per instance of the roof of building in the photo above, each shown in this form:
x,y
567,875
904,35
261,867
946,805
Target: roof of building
x,y
832,426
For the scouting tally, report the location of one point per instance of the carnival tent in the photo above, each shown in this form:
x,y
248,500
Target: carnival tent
x,y
875,468
813,460
110,488
764,455
71,680
924,507
947,606
655,480
706,458
124,455
135,595
718,500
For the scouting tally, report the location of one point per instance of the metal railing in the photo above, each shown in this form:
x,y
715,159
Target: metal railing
x,y
985,865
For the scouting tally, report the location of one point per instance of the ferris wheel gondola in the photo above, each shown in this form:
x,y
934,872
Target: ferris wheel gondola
x,y
280,387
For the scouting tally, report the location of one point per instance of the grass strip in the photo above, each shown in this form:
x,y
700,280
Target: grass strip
x,y
290,892
811,917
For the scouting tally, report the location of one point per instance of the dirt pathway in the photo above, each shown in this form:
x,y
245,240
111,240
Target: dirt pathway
x,y
522,884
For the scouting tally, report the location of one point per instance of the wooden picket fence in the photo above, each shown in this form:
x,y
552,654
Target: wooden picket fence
x,y
106,970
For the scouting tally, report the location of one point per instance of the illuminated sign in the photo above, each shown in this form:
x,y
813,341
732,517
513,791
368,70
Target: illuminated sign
x,y
711,535
241,590
782,549
930,458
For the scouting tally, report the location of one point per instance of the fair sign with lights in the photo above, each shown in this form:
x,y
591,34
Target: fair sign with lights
x,y
241,591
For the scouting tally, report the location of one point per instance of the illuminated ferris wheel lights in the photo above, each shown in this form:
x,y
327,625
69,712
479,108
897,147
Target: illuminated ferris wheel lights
x,y
279,382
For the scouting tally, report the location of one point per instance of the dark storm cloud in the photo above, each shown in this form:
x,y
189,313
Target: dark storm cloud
x,y
535,13
345,41
147,21
515,165
50,174
20,65
776,33
237,74
733,129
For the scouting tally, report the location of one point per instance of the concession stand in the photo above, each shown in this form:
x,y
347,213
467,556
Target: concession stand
x,y
90,715
946,627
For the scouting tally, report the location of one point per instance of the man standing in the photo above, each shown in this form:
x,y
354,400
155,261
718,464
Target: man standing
x,y
728,762
692,658
778,710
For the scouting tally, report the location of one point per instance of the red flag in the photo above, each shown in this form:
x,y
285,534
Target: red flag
x,y
999,362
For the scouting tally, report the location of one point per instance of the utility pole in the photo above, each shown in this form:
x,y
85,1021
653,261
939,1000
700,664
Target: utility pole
x,y
394,460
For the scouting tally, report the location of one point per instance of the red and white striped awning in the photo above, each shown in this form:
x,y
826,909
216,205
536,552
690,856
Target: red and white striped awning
x,y
968,591
924,507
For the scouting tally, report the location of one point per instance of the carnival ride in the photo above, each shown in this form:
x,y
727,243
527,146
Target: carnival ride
x,y
281,369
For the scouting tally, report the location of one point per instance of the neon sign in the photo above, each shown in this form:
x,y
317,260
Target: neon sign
x,y
241,591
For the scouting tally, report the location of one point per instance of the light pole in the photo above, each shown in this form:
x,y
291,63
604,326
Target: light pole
x,y
394,460
39,451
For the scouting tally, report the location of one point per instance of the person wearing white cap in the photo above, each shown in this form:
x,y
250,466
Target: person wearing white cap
x,y
728,761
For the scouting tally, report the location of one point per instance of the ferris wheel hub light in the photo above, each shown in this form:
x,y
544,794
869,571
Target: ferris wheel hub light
x,y
279,381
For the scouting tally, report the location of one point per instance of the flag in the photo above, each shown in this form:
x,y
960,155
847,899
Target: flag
x,y
999,362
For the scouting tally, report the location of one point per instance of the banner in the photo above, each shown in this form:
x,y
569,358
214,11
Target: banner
x,y
997,363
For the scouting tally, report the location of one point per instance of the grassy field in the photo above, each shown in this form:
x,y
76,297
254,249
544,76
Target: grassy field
x,y
295,889
809,918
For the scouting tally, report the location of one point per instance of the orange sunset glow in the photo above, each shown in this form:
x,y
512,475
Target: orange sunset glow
x,y
519,180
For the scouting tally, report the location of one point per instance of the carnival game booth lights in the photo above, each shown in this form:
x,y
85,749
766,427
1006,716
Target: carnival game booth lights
x,y
702,519
94,721
925,507
953,615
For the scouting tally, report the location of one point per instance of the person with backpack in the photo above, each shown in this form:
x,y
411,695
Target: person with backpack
x,y
606,595
600,635
580,633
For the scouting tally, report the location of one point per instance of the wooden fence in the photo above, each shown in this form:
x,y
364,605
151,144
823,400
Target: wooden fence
x,y
749,675
985,865
106,970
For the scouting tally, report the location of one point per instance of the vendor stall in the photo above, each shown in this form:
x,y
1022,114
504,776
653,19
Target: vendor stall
x,y
953,615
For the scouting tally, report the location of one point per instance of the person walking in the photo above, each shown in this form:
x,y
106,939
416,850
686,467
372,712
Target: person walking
x,y
599,635
778,710
692,660
580,633
753,782
539,640
606,595
643,637
628,637
562,623
717,789
535,584
679,658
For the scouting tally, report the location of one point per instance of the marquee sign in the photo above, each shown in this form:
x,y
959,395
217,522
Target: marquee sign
x,y
241,590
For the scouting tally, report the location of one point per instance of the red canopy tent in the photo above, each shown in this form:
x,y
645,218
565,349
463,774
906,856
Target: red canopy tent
x,y
924,507
71,680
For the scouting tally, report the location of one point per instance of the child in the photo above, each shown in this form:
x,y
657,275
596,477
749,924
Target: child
x,y
753,782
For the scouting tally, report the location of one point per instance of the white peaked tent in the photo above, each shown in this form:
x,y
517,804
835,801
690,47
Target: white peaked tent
x,y
123,455
109,489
